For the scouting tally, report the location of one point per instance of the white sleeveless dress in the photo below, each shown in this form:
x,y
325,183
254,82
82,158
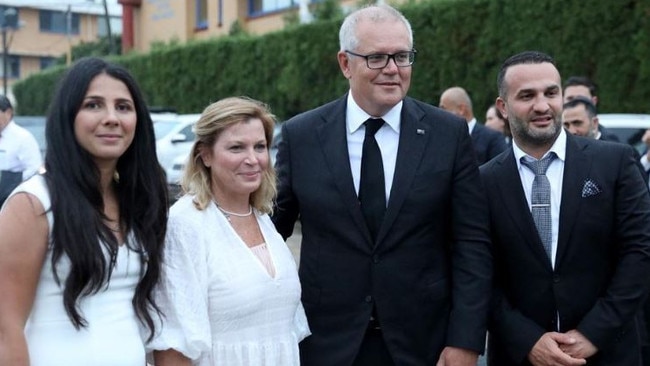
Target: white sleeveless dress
x,y
113,335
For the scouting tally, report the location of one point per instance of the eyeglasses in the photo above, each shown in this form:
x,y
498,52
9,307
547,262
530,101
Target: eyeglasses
x,y
380,60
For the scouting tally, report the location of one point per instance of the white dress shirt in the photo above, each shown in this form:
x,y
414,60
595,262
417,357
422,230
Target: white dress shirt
x,y
19,151
387,138
471,124
554,174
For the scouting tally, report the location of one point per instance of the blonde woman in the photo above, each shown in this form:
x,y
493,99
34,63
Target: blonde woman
x,y
230,290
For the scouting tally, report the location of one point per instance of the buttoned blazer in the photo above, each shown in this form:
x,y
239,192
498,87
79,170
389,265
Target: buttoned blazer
x,y
432,249
487,143
602,262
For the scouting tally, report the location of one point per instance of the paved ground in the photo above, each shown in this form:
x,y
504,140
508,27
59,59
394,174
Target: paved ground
x,y
294,245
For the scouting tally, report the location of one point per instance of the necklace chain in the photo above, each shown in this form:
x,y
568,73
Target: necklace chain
x,y
230,213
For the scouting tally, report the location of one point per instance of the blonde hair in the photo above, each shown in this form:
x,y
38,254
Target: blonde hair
x,y
216,118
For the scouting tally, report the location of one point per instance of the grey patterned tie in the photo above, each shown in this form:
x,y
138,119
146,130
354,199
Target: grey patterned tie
x,y
541,199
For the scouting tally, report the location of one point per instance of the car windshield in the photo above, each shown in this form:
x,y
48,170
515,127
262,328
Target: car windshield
x,y
163,128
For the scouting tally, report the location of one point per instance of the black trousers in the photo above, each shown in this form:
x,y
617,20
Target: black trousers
x,y
373,350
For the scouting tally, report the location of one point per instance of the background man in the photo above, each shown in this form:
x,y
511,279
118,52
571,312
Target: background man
x,y
20,156
572,242
395,262
579,118
495,121
580,86
487,142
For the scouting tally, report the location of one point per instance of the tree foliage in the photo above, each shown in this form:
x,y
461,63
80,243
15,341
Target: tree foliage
x,y
459,42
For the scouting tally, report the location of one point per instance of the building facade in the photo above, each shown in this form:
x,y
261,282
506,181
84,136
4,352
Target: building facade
x,y
35,34
150,22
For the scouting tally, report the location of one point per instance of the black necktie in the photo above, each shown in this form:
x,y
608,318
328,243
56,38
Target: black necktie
x,y
372,192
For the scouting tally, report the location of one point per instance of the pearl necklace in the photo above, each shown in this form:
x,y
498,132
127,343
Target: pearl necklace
x,y
230,213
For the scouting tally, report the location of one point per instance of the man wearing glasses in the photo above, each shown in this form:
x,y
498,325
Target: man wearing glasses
x,y
395,262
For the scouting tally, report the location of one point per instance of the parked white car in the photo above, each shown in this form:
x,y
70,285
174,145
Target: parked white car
x,y
628,127
174,137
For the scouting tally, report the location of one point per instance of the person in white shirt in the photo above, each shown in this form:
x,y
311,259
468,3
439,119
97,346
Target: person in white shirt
x,y
20,156
229,291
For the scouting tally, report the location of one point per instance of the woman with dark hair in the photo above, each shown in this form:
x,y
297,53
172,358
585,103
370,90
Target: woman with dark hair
x,y
229,288
81,244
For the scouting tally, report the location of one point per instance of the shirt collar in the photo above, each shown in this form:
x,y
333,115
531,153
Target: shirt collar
x,y
470,125
558,147
357,116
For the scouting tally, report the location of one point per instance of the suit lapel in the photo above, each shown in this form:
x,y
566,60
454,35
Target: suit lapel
x,y
513,199
576,169
333,142
412,142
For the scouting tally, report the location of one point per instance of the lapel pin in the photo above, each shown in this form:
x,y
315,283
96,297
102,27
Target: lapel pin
x,y
419,131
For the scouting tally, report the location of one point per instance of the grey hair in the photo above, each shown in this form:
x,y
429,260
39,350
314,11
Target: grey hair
x,y
375,13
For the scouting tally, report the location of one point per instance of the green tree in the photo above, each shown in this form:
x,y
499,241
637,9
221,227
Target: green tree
x,y
99,48
327,10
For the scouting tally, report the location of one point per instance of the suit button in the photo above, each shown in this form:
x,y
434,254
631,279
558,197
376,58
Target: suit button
x,y
368,298
556,279
375,258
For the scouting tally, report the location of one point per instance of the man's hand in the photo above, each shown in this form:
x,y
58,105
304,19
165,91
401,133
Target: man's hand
x,y
547,351
452,356
582,348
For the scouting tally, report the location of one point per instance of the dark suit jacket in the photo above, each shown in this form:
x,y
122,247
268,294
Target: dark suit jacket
x,y
605,135
602,264
487,143
432,249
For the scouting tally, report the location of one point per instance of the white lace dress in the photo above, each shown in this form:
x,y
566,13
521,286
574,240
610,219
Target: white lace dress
x,y
113,336
221,305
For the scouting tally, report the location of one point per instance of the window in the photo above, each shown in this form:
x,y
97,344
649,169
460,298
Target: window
x,y
8,16
13,67
102,26
47,62
58,22
258,7
201,14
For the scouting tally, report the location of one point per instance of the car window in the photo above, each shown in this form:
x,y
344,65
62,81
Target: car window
x,y
163,128
629,135
629,128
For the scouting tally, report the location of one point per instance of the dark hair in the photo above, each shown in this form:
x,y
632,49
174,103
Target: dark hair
x,y
5,103
526,57
589,105
582,81
73,178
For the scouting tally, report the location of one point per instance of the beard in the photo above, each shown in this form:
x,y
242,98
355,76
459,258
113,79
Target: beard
x,y
522,130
